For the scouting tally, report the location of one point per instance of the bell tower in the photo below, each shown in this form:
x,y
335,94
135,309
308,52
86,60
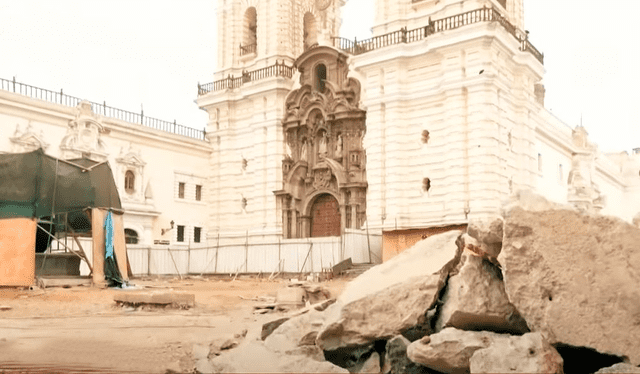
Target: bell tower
x,y
252,31
392,15
258,44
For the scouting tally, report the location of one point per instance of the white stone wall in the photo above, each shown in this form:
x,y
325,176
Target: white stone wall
x,y
161,158
480,130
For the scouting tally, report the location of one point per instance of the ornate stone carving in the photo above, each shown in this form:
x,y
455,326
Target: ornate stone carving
x,y
322,179
323,4
27,140
83,136
322,131
583,192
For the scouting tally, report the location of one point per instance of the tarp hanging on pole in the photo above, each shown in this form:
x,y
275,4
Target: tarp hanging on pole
x,y
111,272
36,185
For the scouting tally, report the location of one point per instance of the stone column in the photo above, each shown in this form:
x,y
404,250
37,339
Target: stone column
x,y
306,227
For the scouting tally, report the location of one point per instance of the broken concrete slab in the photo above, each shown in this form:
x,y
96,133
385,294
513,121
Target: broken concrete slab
x,y
294,297
268,327
155,298
475,299
63,281
574,277
392,297
529,353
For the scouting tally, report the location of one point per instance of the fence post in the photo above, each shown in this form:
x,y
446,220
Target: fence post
x,y
246,253
14,83
141,114
61,94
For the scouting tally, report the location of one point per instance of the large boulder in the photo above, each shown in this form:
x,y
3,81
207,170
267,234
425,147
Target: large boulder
x,y
458,351
450,350
475,299
528,353
393,297
289,335
255,357
574,277
488,232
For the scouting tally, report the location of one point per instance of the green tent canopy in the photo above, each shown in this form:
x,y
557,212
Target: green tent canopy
x,y
37,185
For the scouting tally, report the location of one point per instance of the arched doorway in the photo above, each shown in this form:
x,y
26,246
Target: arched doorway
x,y
325,216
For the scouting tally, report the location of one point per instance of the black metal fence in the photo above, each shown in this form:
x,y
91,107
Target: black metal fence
x,y
103,109
279,69
403,35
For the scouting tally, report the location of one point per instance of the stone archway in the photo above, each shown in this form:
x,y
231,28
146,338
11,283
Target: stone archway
x,y
325,216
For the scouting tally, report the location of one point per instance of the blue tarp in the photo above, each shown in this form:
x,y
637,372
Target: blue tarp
x,y
108,236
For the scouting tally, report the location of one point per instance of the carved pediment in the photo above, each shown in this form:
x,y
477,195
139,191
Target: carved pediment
x,y
28,140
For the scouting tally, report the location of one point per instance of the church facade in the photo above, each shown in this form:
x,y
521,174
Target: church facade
x,y
432,122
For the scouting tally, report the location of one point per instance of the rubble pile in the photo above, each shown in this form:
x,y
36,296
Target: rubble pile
x,y
541,289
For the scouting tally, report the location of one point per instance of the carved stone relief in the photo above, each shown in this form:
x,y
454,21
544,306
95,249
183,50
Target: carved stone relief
x,y
27,140
583,192
83,136
324,151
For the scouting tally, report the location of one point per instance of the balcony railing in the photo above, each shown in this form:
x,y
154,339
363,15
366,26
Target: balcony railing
x,y
248,49
107,111
279,69
403,35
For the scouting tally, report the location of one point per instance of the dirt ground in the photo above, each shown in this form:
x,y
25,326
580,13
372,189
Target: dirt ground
x,y
81,329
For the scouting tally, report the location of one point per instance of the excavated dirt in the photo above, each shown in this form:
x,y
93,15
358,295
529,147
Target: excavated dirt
x,y
80,329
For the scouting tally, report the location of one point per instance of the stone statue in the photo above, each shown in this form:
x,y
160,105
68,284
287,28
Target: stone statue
x,y
322,147
303,151
338,153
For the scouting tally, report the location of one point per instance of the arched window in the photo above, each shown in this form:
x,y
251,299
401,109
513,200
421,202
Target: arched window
x,y
320,77
130,236
310,31
129,181
250,35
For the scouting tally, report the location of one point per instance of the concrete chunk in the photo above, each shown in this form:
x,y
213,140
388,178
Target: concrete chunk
x,y
156,297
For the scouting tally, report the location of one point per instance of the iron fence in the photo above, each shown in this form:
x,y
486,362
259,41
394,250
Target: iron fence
x,y
103,109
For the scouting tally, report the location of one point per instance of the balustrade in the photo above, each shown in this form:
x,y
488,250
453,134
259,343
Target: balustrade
x,y
107,111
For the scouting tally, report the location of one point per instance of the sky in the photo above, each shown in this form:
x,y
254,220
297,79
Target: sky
x,y
151,54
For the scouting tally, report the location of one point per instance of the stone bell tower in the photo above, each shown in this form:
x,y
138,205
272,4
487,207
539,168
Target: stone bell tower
x,y
258,44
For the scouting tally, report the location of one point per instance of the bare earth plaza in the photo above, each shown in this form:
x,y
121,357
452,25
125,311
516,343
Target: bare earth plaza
x,y
404,203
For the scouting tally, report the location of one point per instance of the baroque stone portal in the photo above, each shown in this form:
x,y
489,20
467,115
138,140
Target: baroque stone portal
x,y
324,176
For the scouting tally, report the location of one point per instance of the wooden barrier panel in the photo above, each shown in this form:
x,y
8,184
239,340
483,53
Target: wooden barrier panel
x,y
97,232
17,251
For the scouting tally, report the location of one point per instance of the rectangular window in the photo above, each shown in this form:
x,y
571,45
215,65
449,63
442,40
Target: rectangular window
x,y
503,3
181,190
198,192
560,174
196,234
539,162
180,233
